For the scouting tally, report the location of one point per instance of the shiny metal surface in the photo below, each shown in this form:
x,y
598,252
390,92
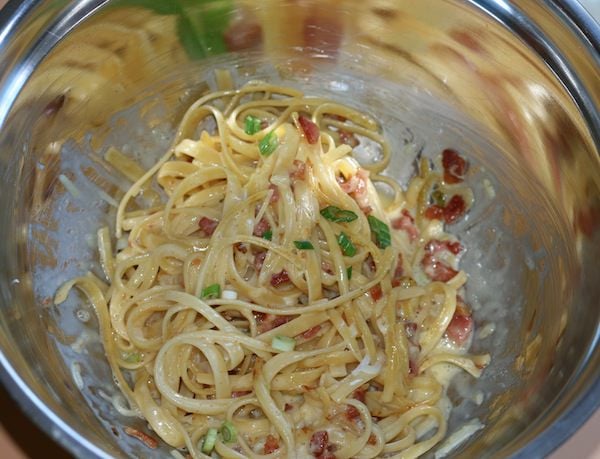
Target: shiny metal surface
x,y
514,84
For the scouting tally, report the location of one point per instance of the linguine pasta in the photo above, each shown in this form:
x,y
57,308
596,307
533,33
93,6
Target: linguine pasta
x,y
284,300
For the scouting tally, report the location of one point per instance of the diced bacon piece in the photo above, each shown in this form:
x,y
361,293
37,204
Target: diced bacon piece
x,y
461,325
280,278
259,259
356,187
262,226
437,270
271,444
434,212
280,320
455,166
436,246
376,292
318,442
371,264
372,440
208,225
242,34
352,414
455,208
311,332
348,186
398,272
325,266
259,316
298,171
309,129
406,223
149,441
360,394
276,195
348,138
240,393
413,368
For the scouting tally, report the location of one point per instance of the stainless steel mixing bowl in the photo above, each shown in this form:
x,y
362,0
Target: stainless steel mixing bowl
x,y
513,84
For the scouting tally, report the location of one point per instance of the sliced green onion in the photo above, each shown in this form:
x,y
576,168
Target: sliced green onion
x,y
439,198
228,432
212,291
346,245
208,444
268,144
304,245
251,125
268,235
133,357
337,215
283,343
349,272
381,232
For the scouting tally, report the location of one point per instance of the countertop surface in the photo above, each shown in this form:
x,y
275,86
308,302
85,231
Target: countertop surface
x,y
21,439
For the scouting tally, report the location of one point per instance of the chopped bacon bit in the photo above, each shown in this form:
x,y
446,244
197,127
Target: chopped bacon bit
x,y
298,171
436,270
275,196
288,407
262,226
348,138
398,272
360,394
259,316
436,246
352,413
356,187
455,166
240,393
208,225
413,368
454,209
411,330
376,292
371,264
280,320
271,445
407,223
149,441
259,259
372,440
310,130
240,247
461,325
311,332
318,443
242,35
280,278
434,212
325,266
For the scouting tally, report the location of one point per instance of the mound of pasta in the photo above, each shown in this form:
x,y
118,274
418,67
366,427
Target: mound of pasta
x,y
285,300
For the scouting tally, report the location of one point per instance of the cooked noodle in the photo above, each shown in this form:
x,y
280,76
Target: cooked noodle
x,y
243,256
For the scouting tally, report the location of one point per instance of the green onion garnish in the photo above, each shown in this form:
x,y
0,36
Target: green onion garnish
x,y
228,432
283,343
268,144
303,245
212,291
251,125
268,235
381,232
346,245
208,444
337,215
349,272
439,198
